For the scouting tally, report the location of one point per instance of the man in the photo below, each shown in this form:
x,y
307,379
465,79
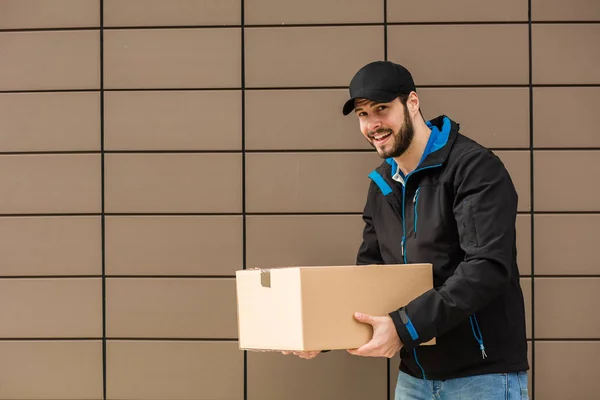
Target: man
x,y
439,197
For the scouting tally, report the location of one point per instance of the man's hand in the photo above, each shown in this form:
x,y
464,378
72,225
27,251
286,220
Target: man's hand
x,y
385,341
303,354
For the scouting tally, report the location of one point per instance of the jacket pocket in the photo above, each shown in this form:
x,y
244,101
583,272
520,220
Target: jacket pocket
x,y
469,228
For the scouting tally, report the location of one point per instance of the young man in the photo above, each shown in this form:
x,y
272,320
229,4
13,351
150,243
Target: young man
x,y
439,197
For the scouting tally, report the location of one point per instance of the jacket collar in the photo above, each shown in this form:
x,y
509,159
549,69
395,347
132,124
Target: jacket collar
x,y
443,135
439,145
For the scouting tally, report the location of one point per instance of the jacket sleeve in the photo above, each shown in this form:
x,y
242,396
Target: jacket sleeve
x,y
368,252
485,210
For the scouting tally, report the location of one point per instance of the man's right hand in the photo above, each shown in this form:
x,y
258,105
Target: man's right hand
x,y
307,355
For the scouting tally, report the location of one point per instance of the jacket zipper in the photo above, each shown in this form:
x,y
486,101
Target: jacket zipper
x,y
404,238
415,211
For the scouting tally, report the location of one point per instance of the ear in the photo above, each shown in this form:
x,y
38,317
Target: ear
x,y
412,103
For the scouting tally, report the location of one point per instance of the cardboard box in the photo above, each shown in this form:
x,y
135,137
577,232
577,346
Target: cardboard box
x,y
312,308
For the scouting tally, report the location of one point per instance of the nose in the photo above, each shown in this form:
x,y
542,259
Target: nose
x,y
373,124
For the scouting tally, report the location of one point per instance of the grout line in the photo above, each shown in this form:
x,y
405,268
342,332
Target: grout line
x,y
178,339
50,339
176,89
174,276
49,152
103,214
385,41
174,151
34,215
293,88
566,276
455,23
62,29
172,27
567,339
317,25
49,91
62,277
245,151
248,214
259,88
296,25
566,212
532,194
174,214
243,127
226,277
85,339
285,214
203,339
264,151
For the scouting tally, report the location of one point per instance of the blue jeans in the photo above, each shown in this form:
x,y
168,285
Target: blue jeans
x,y
511,386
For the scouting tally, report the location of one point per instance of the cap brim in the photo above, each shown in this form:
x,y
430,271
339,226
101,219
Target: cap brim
x,y
373,95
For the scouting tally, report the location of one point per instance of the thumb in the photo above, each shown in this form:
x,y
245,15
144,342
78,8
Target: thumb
x,y
367,319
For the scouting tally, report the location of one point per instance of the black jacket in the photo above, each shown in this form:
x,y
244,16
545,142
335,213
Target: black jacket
x,y
457,210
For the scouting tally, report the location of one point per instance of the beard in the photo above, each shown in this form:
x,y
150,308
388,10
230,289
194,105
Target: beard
x,y
399,141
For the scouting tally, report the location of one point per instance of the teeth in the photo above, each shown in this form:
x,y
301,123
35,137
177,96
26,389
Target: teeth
x,y
382,136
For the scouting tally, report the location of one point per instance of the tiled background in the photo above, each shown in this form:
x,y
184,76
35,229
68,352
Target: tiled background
x,y
149,148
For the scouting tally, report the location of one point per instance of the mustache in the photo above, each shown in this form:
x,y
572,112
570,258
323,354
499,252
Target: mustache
x,y
380,130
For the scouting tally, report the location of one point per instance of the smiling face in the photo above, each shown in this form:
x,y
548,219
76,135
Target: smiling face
x,y
387,126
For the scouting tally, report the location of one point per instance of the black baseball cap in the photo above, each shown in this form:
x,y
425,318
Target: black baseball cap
x,y
380,81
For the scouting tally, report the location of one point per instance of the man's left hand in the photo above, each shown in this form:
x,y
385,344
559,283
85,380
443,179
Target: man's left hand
x,y
385,341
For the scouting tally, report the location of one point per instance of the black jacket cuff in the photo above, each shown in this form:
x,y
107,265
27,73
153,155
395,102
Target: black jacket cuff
x,y
406,330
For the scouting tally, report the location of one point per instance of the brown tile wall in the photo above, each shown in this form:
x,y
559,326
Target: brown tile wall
x,y
150,148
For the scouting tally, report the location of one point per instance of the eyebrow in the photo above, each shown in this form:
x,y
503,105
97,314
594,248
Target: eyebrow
x,y
370,104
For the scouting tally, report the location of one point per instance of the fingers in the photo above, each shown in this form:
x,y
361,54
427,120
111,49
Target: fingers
x,y
370,353
367,319
307,355
373,349
365,350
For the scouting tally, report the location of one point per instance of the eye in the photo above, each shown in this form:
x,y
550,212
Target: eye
x,y
381,108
